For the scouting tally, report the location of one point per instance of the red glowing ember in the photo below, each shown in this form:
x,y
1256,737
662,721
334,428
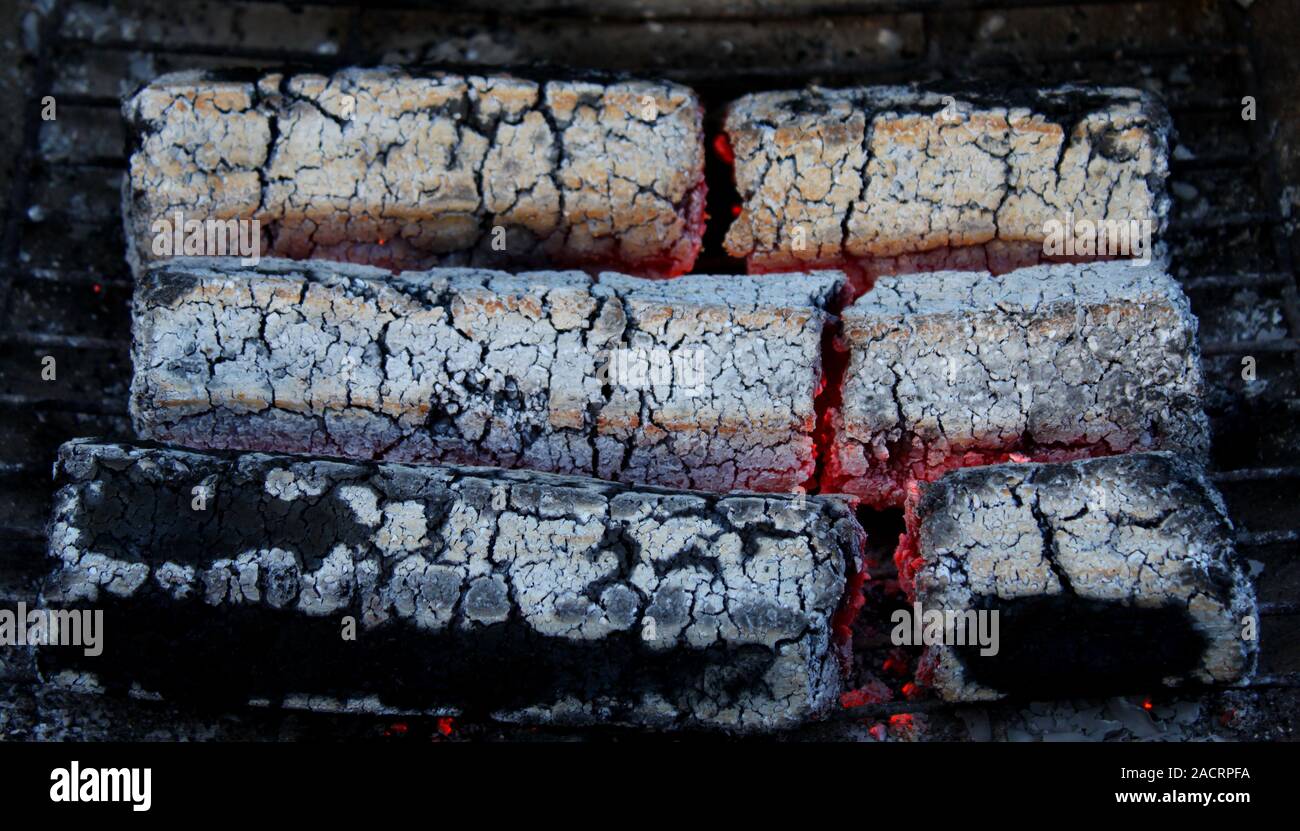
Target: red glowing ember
x,y
397,728
874,692
722,147
896,665
854,600
903,725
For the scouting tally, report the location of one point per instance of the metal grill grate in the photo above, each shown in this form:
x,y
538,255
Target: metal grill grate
x,y
64,287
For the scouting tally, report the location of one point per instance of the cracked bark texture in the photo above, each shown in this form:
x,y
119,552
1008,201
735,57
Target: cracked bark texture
x,y
523,596
955,369
403,170
1142,537
898,179
469,366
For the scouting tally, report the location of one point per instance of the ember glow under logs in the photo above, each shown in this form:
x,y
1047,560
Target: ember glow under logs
x,y
521,596
404,170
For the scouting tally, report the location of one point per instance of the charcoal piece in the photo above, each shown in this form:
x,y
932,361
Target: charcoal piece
x,y
478,592
701,382
954,369
411,170
902,179
1110,575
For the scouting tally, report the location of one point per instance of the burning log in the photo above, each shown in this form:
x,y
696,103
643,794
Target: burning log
x,y
1106,575
388,168
894,179
955,369
702,382
384,587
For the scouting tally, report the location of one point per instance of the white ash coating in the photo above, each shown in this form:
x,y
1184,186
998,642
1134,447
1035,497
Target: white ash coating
x,y
1142,529
709,583
480,367
410,171
1086,359
881,173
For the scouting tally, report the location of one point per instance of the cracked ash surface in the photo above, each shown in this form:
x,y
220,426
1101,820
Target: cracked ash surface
x,y
1108,572
954,369
524,596
876,175
388,168
480,367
